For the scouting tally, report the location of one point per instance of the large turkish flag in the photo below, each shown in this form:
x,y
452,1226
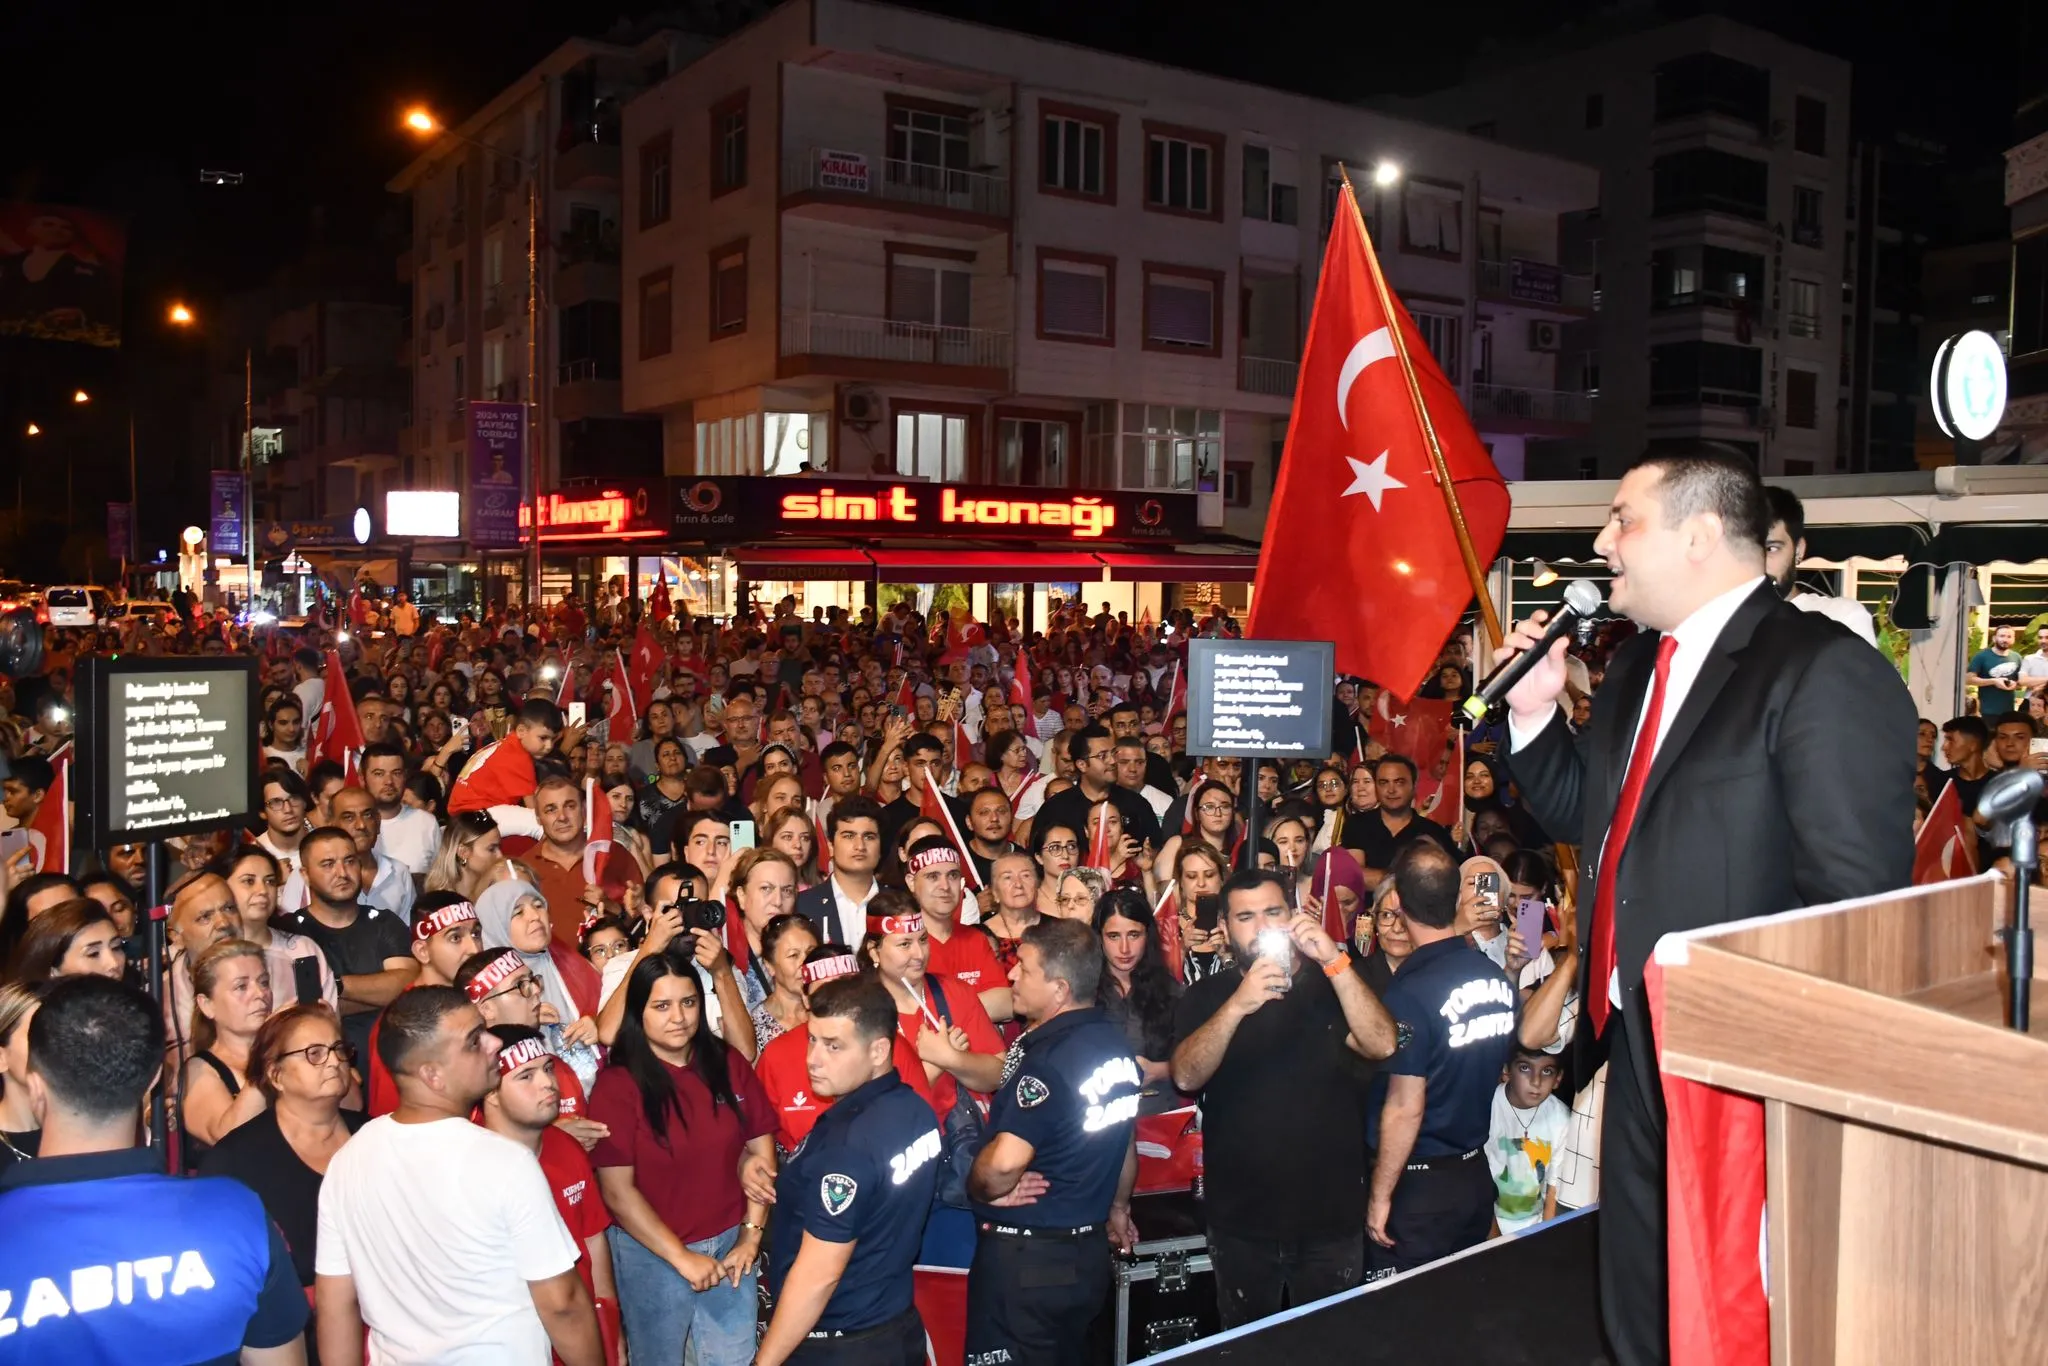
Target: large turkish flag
x,y
1359,547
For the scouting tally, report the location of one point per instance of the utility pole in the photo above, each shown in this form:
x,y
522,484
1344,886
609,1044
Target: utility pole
x,y
248,480
530,472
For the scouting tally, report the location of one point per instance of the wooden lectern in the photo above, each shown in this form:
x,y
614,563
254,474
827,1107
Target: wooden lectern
x,y
1906,1126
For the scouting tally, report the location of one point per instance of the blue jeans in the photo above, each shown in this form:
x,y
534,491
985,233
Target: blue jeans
x,y
661,1313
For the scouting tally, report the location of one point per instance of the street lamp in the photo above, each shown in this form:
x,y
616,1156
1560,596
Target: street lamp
x,y
1385,174
180,315
80,396
421,121
34,430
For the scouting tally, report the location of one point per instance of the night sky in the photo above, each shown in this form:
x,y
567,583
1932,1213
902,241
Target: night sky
x,y
121,109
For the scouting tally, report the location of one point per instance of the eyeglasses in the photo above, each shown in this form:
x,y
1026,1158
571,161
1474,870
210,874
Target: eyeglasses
x,y
526,986
283,803
317,1053
1213,809
1062,847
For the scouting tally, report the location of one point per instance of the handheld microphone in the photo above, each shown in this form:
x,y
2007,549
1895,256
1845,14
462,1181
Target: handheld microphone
x,y
1581,601
2009,794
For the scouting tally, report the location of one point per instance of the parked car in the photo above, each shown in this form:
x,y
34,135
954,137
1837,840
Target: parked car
x,y
157,613
77,605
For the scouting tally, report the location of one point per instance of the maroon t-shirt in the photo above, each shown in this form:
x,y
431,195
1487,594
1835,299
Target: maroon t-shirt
x,y
693,1182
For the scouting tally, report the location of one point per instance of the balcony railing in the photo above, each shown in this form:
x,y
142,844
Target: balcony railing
x,y
864,338
1260,375
1535,283
1802,325
834,172
584,371
1529,405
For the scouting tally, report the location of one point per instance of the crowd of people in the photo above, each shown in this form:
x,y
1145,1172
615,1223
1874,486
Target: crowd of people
x,y
507,1071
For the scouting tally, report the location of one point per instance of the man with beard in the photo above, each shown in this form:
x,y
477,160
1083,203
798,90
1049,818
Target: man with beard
x,y
1785,547
369,949
480,1269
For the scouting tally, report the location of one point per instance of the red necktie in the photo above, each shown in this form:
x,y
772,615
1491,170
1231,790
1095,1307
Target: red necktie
x,y
1639,761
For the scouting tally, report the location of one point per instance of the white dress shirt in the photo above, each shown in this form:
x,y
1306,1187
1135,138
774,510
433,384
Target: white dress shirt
x,y
853,915
1695,636
392,890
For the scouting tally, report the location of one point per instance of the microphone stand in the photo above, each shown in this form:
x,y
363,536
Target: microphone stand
x,y
2019,938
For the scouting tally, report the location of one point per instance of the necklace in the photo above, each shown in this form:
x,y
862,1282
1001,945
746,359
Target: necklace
x,y
19,1155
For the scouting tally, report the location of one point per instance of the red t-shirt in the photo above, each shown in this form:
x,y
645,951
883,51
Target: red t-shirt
x,y
501,774
692,1183
787,1080
573,1183
968,957
967,1014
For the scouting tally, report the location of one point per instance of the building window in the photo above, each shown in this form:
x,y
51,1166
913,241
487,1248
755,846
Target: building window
x,y
1802,398
1802,308
1709,374
1237,483
1432,219
654,181
1596,110
729,445
1163,448
1032,452
929,147
461,383
1183,309
1441,334
1714,277
1264,197
1707,180
1077,152
1810,125
1708,83
728,290
729,144
656,313
930,290
1180,171
1806,220
1076,297
932,445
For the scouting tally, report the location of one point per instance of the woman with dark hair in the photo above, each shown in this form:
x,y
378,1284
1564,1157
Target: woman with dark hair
x,y
682,1110
1057,849
73,938
893,872
626,831
300,1066
1486,789
1138,992
1018,774
252,875
786,941
28,899
1213,809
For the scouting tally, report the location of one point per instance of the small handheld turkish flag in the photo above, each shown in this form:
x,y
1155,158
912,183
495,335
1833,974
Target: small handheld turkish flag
x,y
50,827
1359,547
659,606
646,663
1942,849
1020,681
338,734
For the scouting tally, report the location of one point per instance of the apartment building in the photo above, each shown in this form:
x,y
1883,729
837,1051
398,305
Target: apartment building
x,y
1720,243
552,135
874,242
2026,200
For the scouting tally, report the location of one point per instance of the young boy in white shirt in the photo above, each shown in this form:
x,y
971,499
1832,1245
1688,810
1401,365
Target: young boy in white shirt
x,y
1529,1126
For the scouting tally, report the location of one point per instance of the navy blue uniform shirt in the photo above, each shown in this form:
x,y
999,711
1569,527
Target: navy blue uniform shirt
x,y
1073,1096
1455,1017
106,1259
864,1175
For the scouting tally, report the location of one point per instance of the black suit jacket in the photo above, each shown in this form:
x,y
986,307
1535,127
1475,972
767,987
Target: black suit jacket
x,y
1786,780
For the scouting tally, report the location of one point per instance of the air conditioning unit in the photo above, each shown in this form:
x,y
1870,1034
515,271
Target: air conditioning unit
x,y
860,407
1545,335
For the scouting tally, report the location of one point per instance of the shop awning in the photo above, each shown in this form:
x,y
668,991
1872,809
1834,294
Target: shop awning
x,y
940,565
771,562
1126,566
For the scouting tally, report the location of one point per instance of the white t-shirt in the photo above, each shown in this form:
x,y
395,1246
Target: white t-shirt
x,y
292,894
441,1266
295,759
311,692
411,837
1516,1141
1847,611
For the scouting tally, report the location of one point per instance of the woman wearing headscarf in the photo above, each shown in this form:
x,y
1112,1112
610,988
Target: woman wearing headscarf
x,y
1482,906
1337,892
1486,787
514,915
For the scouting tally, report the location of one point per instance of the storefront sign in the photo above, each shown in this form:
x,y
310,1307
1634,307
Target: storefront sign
x,y
224,514
429,513
721,508
310,532
497,453
843,171
1535,282
632,510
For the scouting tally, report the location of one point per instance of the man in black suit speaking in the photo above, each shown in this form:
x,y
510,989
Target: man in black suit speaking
x,y
1743,758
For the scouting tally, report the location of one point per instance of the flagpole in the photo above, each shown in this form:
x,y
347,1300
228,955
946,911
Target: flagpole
x,y
1442,470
